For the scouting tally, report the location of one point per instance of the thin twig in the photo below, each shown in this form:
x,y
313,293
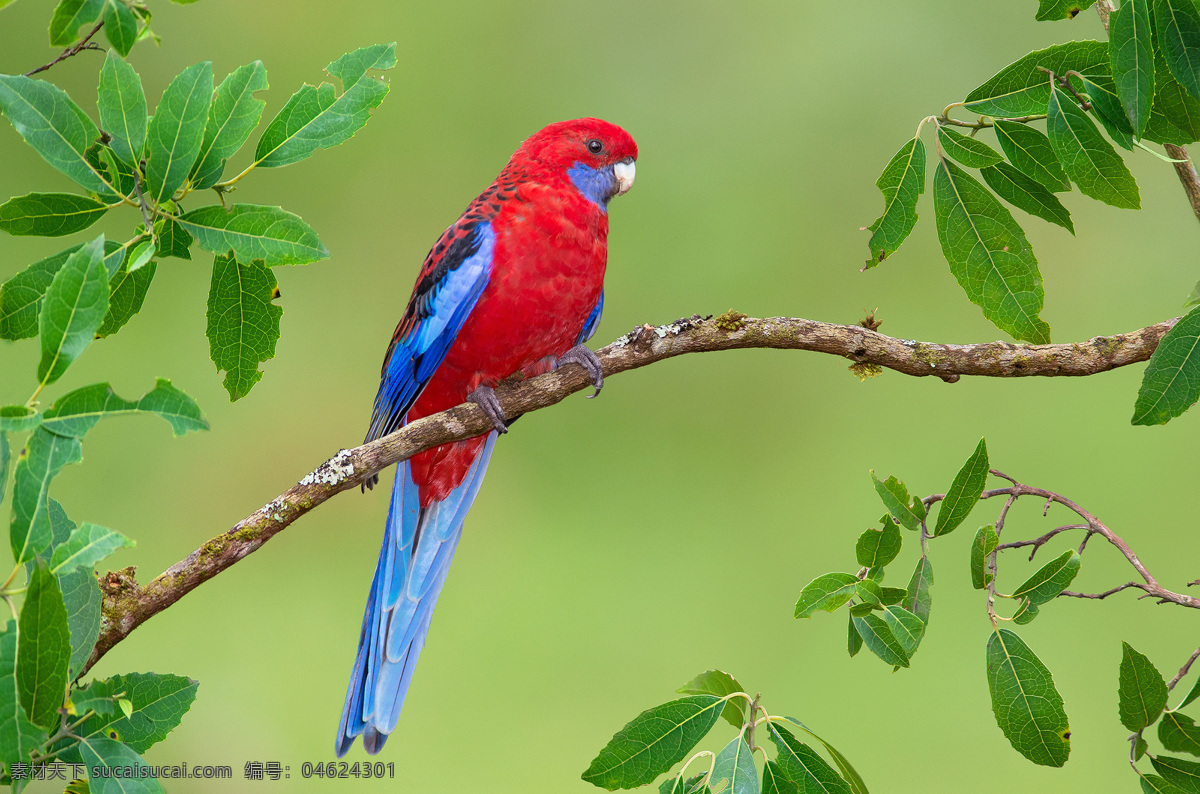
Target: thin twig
x,y
1184,670
1037,543
128,604
74,49
1105,594
1149,585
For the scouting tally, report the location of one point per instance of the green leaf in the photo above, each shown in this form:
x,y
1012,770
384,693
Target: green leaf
x,y
894,496
120,26
1051,579
800,763
964,491
21,296
243,323
857,786
829,592
19,418
734,766
314,118
174,135
1175,114
140,255
1171,383
99,696
971,152
1131,53
271,234
1030,153
50,214
1028,708
1108,110
1183,774
86,546
46,118
18,736
114,768
173,239
1027,194
1026,613
919,599
984,544
234,114
1192,694
127,291
1087,158
159,703
77,412
693,785
44,456
853,638
1153,784
774,781
907,628
1139,748
69,16
1178,24
1179,733
653,742
75,305
122,106
869,592
988,254
81,597
1143,694
1021,89
1061,9
43,650
893,595
879,639
901,183
878,547
719,683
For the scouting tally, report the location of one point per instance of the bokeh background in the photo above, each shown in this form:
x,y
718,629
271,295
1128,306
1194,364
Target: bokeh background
x,y
623,545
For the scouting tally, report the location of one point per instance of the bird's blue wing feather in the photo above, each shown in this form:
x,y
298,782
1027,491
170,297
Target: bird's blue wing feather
x,y
454,277
593,320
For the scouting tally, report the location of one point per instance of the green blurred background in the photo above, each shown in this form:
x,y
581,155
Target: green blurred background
x,y
622,545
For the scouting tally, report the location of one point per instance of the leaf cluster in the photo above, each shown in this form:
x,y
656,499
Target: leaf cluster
x,y
661,737
1060,117
154,164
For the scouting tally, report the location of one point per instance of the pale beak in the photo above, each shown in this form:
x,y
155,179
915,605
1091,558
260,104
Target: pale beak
x,y
624,171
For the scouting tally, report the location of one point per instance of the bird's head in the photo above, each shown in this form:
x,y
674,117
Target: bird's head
x,y
597,156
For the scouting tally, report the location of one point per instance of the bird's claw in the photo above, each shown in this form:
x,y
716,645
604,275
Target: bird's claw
x,y
584,357
485,398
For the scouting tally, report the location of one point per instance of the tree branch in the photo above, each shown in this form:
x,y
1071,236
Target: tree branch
x,y
74,49
127,604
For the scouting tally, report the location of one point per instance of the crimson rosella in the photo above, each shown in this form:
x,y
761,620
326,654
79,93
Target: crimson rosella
x,y
516,285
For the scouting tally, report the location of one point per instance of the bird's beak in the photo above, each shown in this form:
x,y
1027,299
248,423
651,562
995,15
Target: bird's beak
x,y
624,171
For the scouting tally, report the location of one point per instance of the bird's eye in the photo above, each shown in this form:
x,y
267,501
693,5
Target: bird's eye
x,y
594,146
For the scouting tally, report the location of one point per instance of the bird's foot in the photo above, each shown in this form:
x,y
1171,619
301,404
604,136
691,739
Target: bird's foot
x,y
584,357
485,398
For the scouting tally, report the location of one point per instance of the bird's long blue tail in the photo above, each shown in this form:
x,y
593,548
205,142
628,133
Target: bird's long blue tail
x,y
418,545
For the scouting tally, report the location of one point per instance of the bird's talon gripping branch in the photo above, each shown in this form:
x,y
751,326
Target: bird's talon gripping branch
x,y
485,398
584,357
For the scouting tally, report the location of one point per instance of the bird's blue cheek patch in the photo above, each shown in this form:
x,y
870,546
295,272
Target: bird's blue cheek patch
x,y
596,184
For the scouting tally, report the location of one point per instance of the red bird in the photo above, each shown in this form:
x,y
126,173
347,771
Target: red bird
x,y
516,285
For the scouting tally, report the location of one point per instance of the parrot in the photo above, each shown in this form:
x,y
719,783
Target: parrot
x,y
514,287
